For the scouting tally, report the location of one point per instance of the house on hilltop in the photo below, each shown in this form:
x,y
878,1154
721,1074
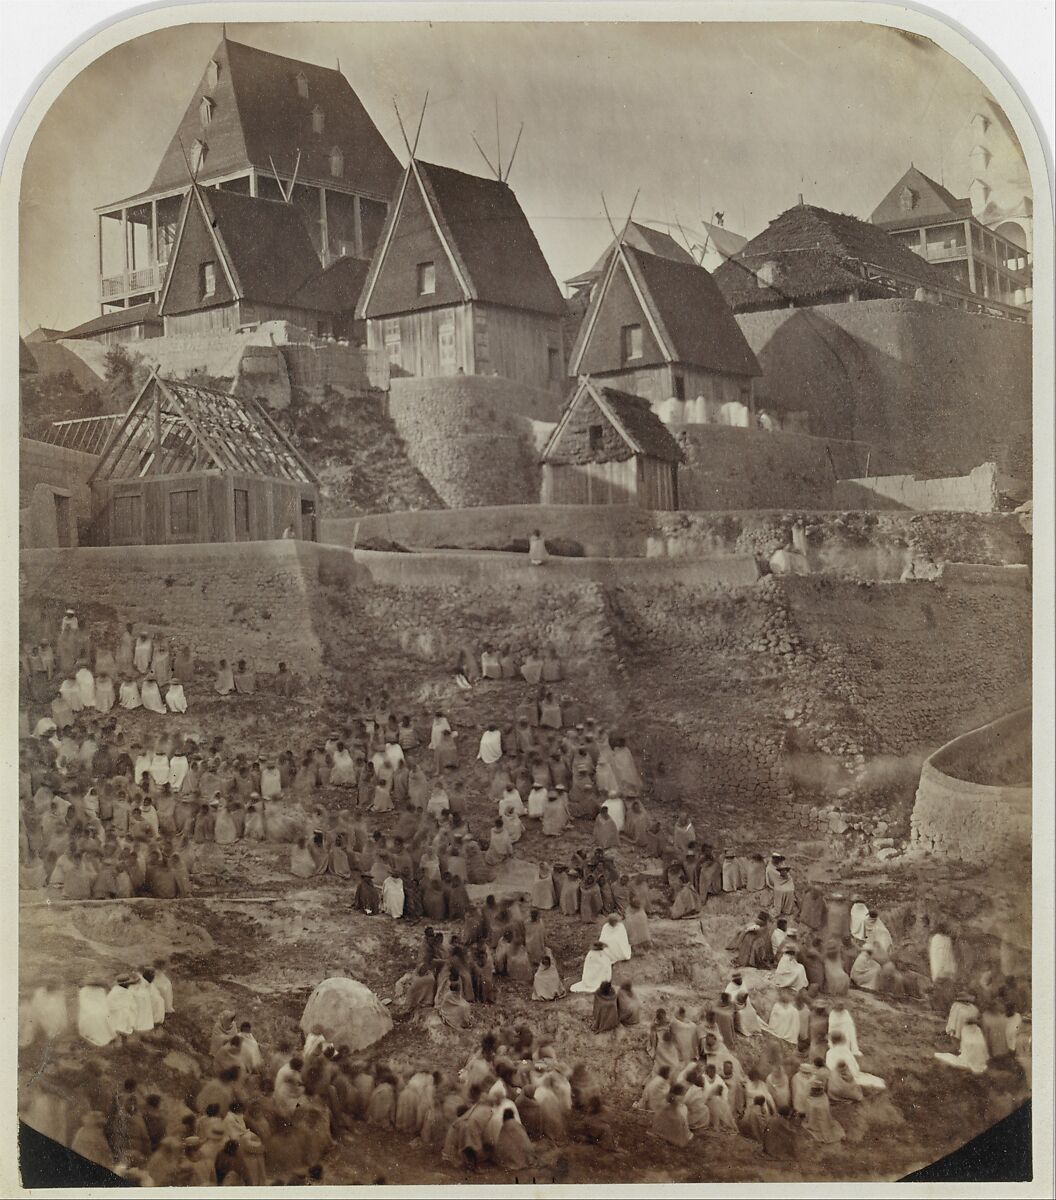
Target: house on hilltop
x,y
660,328
191,464
459,284
258,124
927,219
609,447
238,260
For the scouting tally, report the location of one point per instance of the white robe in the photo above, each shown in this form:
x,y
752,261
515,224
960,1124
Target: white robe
x,y
71,693
151,696
159,769
790,973
143,1021
93,1016
597,969
616,807
48,1010
271,783
129,695
164,985
157,1003
394,755
439,725
86,686
941,958
880,937
960,1013
121,1005
392,897
859,912
842,1054
178,768
537,801
490,746
537,551
617,945
784,1022
175,698
843,1022
142,655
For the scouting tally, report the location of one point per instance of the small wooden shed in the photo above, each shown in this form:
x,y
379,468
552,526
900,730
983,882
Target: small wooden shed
x,y
191,464
609,447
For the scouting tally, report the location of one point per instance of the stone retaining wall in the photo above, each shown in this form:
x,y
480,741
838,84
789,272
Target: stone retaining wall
x,y
963,818
974,492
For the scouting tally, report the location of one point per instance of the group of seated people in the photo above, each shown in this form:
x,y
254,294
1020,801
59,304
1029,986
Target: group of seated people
x,y
501,663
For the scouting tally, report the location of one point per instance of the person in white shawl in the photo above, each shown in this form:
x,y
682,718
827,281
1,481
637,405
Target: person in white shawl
x,y
941,959
178,768
784,1018
490,745
128,696
840,1055
790,972
617,809
597,969
143,1021
121,1006
973,1055
160,768
440,724
613,937
93,1015
164,984
71,693
537,802
841,1022
48,1010
392,897
175,698
393,754
150,694
877,934
859,913
143,653
962,1010
86,686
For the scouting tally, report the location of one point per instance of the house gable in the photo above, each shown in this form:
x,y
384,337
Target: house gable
x,y
410,240
195,247
617,306
573,441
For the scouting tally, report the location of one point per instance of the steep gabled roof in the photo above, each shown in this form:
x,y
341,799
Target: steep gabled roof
x,y
201,429
258,114
335,289
121,318
931,201
641,237
815,253
263,245
688,315
492,250
640,429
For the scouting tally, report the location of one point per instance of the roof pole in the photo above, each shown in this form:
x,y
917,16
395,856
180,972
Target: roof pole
x,y
156,466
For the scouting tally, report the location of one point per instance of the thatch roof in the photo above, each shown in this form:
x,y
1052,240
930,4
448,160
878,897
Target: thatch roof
x,y
639,429
817,253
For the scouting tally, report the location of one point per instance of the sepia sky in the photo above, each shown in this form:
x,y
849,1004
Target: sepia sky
x,y
735,117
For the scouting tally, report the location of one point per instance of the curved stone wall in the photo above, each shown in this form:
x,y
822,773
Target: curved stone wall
x,y
974,797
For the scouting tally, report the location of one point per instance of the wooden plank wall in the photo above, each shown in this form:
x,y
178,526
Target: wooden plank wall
x,y
419,346
221,319
591,483
518,343
657,484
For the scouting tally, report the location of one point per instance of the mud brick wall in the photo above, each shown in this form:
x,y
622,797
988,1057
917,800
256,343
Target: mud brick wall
x,y
470,436
974,492
234,601
41,462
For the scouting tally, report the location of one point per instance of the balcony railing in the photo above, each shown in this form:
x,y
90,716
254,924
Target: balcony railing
x,y
131,283
945,253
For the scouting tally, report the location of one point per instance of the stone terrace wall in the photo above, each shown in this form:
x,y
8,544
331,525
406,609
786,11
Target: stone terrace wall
x,y
974,492
246,600
729,468
867,545
471,436
942,391
972,802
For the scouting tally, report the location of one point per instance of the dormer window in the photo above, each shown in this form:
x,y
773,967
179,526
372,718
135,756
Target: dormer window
x,y
205,111
198,152
907,200
212,73
426,279
337,162
317,119
766,276
302,85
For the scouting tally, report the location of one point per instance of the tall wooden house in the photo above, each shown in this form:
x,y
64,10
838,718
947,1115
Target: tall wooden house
x,y
459,285
659,328
238,260
609,447
191,464
258,124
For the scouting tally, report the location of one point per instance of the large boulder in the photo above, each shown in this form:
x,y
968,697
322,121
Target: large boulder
x,y
348,1013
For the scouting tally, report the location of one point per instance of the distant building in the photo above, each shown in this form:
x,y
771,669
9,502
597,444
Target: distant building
x,y
924,217
659,329
609,447
132,324
641,237
27,364
191,464
809,256
239,260
458,284
255,114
